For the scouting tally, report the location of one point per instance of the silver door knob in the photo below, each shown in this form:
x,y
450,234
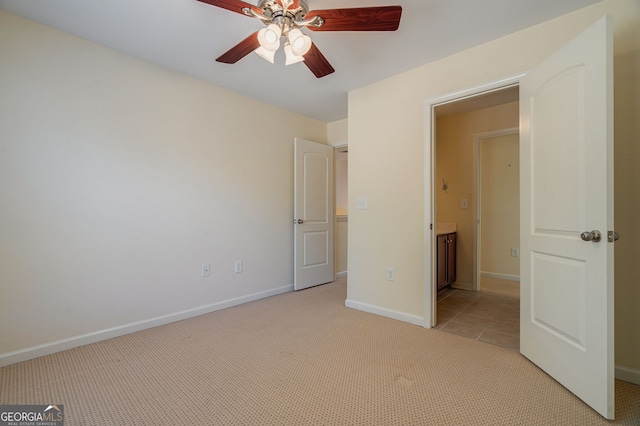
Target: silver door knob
x,y
298,221
594,236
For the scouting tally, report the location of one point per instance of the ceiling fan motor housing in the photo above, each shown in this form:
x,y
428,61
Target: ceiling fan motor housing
x,y
273,10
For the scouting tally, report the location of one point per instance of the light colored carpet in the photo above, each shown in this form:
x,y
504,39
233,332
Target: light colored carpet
x,y
299,359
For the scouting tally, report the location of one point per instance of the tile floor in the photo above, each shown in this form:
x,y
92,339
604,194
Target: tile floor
x,y
500,287
481,316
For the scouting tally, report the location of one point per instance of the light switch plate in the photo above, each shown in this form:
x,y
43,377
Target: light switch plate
x,y
464,203
362,203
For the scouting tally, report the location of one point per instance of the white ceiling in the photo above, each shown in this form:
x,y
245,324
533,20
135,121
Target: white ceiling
x,y
187,35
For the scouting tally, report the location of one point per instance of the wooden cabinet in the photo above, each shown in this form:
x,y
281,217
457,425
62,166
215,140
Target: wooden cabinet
x,y
446,255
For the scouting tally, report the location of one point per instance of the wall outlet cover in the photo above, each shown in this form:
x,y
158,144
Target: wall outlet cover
x,y
391,274
206,269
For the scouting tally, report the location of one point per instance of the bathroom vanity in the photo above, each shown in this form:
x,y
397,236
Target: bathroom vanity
x,y
446,234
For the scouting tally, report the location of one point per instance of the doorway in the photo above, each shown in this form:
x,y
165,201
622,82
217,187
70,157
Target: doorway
x,y
566,184
341,159
462,127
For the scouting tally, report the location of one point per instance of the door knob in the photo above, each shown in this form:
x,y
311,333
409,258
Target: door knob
x,y
298,221
613,236
594,236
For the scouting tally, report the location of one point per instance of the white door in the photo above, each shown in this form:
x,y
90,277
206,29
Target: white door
x,y
566,163
313,214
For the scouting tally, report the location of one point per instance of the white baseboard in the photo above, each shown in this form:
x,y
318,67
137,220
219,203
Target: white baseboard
x,y
341,274
388,313
627,374
85,339
462,285
500,276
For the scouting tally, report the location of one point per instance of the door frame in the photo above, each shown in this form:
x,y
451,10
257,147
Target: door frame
x,y
336,149
477,218
430,289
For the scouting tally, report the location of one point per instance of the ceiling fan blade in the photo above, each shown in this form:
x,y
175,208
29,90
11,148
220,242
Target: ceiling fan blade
x,y
240,50
232,5
382,18
317,63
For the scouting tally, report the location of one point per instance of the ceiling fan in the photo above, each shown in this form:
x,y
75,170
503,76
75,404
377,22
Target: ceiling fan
x,y
284,18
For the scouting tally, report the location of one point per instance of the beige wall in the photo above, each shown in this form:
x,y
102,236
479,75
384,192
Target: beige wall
x,y
627,207
337,132
456,163
500,205
386,147
118,180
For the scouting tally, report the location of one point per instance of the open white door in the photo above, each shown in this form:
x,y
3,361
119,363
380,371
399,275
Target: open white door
x,y
313,214
566,164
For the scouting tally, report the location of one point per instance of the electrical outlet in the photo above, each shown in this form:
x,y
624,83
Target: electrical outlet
x,y
515,252
391,274
238,266
206,269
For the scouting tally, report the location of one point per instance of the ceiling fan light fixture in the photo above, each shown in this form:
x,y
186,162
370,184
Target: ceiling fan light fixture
x,y
267,55
291,58
300,43
269,38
